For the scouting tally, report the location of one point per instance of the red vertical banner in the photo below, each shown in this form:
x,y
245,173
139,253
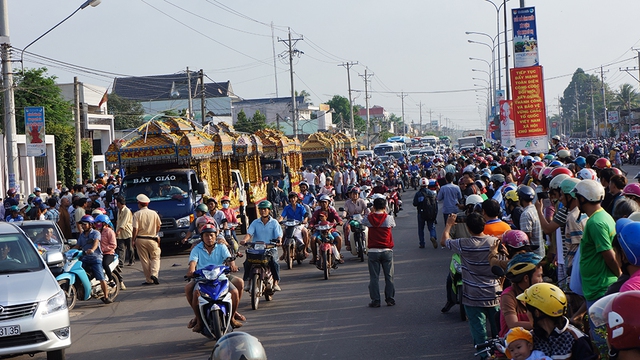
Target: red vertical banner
x,y
529,107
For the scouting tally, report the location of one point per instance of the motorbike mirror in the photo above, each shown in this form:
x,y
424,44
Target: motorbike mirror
x,y
341,209
72,242
497,271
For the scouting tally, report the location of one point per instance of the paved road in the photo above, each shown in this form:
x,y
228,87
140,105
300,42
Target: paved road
x,y
310,319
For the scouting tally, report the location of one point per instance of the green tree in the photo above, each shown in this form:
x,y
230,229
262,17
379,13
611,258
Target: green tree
x,y
577,97
626,98
34,87
340,105
127,114
250,125
307,96
258,121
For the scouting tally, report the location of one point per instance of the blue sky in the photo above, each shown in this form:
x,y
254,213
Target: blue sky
x,y
416,46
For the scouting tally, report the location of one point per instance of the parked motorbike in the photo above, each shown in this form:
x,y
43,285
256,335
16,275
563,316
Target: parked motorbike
x,y
78,284
261,280
214,301
328,251
455,273
292,248
415,179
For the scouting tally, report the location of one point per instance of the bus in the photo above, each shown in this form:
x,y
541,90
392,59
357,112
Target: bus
x,y
445,140
383,148
429,140
471,142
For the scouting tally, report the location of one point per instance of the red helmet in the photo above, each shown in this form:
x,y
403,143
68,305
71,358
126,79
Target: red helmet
x,y
602,163
616,171
524,152
560,170
623,320
537,167
225,198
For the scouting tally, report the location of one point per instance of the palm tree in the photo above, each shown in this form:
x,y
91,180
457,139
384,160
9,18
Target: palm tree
x,y
626,98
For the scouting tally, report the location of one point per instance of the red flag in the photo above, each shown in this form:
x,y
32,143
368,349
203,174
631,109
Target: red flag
x,y
104,99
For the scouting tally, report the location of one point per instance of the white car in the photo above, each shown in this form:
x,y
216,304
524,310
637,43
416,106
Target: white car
x,y
33,310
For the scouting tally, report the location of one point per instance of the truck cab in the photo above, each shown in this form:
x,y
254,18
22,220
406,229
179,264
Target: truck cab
x,y
174,195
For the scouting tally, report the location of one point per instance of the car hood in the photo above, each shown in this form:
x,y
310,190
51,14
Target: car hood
x,y
27,287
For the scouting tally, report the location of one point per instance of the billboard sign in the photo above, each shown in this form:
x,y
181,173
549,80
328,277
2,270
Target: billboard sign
x,y
614,117
525,37
507,125
530,118
34,130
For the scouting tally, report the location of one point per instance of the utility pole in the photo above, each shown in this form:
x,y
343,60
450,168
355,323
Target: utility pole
x,y
291,43
366,100
506,51
76,108
9,103
275,68
348,65
402,96
190,105
593,112
604,103
430,119
575,91
203,97
420,128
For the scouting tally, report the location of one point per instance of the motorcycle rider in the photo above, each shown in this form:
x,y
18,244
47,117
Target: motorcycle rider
x,y
267,230
309,199
329,214
108,244
201,210
89,243
211,251
354,205
296,211
419,200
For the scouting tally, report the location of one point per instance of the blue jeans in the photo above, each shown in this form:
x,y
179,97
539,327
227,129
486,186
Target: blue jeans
x,y
430,225
478,318
376,260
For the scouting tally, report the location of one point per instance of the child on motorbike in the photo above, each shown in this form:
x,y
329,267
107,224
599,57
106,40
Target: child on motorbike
x,y
519,344
324,232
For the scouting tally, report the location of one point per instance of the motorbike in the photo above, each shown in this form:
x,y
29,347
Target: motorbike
x,y
455,273
232,244
78,284
358,237
406,180
261,279
214,302
415,179
492,348
329,254
292,248
394,202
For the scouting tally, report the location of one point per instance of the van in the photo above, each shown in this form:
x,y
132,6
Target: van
x,y
33,310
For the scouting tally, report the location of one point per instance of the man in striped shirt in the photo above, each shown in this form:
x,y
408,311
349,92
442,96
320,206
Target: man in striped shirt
x,y
479,284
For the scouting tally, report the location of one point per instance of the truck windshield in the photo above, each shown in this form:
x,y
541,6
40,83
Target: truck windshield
x,y
271,168
156,187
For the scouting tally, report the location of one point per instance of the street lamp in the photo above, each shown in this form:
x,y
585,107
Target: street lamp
x,y
93,3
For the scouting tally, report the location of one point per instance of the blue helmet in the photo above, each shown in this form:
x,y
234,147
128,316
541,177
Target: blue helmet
x,y
581,161
555,163
629,242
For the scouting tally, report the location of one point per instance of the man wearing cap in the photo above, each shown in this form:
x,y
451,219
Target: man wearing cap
x,y
37,192
497,182
146,224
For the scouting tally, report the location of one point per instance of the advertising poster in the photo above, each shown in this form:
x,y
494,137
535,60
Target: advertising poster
x,y
614,117
525,37
34,130
507,125
530,118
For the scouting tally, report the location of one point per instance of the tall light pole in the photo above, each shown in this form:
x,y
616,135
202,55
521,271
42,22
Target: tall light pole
x,y
498,7
9,111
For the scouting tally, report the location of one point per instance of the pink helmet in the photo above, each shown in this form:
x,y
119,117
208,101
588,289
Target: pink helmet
x,y
545,172
587,174
632,190
515,239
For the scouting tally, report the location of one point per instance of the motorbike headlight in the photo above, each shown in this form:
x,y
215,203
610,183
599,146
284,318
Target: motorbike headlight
x,y
55,303
458,267
183,222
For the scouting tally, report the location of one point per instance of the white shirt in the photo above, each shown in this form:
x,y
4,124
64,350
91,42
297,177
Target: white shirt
x,y
309,177
353,177
323,179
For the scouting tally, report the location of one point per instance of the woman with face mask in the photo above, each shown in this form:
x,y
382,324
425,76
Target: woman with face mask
x,y
230,215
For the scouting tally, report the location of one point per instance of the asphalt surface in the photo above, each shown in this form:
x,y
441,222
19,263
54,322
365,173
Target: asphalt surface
x,y
311,318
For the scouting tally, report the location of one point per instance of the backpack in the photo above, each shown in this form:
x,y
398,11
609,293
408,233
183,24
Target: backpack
x,y
428,206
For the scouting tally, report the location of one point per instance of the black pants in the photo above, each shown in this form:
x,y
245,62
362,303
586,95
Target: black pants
x,y
106,260
124,250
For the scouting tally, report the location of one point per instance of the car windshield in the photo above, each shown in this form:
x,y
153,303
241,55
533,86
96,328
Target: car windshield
x,y
42,234
157,187
17,254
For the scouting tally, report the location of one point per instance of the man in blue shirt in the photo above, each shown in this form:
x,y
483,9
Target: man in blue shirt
x,y
211,251
267,230
295,211
308,199
89,242
450,195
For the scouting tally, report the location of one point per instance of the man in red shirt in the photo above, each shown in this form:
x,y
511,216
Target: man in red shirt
x,y
380,252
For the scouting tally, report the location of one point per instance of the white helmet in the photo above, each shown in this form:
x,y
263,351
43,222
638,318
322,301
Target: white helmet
x,y
473,200
587,174
590,190
557,180
424,182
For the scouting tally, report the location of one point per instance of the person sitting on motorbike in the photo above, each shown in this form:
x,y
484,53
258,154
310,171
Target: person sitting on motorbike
x,y
231,216
324,232
393,182
329,214
380,188
215,213
354,205
264,229
108,244
201,211
296,211
523,270
309,198
552,333
211,251
89,243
